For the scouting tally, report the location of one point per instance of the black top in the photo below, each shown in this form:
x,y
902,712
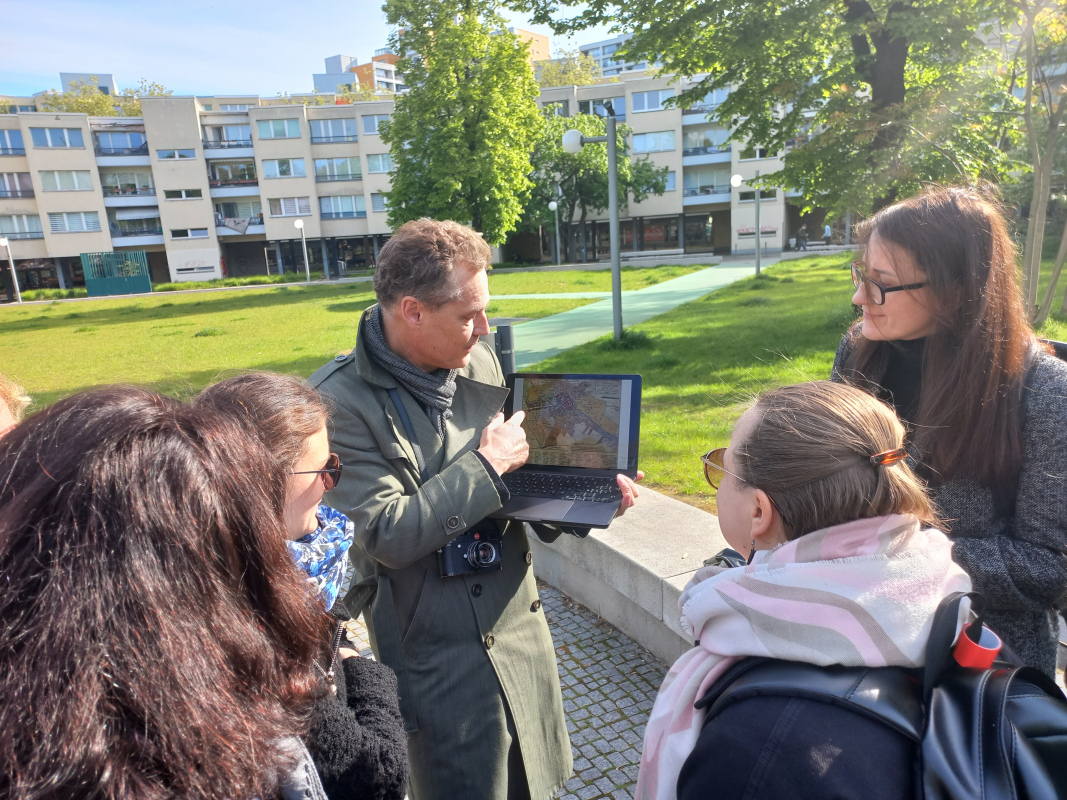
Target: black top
x,y
903,378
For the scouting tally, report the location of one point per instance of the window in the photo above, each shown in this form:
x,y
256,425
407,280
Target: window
x,y
338,169
377,202
208,107
16,184
671,177
610,48
232,135
283,168
21,226
346,207
558,108
596,107
711,100
379,162
66,180
278,128
653,142
118,183
593,53
164,155
57,137
651,101
232,107
183,194
146,226
290,207
372,121
707,180
119,143
701,141
750,197
189,233
240,209
752,153
11,143
74,222
334,130
233,172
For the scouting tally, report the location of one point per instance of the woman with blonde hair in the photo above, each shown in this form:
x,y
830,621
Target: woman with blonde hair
x,y
13,402
845,566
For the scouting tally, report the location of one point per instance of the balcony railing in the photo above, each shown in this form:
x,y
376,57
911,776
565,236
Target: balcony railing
x,y
326,178
797,141
220,222
706,150
224,144
328,139
16,193
12,151
24,235
122,151
147,231
215,184
721,189
701,108
344,215
111,191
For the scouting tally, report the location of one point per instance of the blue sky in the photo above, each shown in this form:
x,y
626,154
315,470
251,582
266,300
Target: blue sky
x,y
194,47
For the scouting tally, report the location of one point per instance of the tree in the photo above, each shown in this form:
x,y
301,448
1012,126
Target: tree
x,y
891,93
569,68
348,94
583,177
86,98
461,136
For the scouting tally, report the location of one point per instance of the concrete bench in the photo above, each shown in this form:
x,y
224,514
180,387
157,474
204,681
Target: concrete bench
x,y
633,573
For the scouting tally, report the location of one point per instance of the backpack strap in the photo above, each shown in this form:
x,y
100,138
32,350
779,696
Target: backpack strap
x,y
409,429
889,695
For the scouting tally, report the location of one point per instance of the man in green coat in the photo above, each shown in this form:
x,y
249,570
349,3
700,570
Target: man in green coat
x,y
474,659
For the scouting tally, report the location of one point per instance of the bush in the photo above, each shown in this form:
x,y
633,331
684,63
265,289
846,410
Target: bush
x,y
248,280
53,294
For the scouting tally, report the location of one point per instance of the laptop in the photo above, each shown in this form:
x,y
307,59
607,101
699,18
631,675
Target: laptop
x,y
583,431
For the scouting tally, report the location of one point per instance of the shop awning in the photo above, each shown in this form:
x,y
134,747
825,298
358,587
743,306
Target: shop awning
x,y
137,213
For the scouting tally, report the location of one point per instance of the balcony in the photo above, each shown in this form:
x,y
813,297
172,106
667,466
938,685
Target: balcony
x,y
17,193
236,226
148,230
24,235
797,141
122,151
706,150
329,178
344,215
723,189
111,191
12,151
227,144
219,184
331,139
701,108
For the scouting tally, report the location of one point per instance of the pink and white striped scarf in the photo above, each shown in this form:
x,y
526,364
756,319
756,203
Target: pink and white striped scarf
x,y
858,594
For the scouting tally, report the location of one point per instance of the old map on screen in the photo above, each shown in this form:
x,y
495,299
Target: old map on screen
x,y
576,422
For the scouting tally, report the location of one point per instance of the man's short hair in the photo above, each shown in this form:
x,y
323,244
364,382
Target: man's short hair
x,y
420,258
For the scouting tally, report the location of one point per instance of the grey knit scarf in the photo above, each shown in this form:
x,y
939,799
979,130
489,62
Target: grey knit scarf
x,y
434,390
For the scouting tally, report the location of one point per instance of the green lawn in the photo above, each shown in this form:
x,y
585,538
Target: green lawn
x,y
704,362
583,280
180,343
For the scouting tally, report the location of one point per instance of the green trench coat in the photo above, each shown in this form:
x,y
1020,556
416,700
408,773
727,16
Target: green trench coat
x,y
469,651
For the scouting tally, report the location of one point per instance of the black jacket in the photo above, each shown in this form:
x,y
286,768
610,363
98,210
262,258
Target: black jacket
x,y
766,748
357,737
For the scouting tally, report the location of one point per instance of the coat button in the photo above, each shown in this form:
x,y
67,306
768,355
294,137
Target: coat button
x,y
529,558
489,641
535,605
476,590
453,522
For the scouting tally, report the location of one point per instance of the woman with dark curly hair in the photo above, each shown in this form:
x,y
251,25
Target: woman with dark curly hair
x,y
156,641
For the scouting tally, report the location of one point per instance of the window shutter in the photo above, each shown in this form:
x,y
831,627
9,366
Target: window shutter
x,y
92,221
275,207
57,223
303,205
288,206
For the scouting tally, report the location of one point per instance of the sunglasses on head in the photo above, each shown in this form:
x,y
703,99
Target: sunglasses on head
x,y
331,472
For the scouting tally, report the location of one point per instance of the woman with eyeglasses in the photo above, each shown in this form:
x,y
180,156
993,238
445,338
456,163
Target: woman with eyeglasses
x,y
357,737
944,338
845,566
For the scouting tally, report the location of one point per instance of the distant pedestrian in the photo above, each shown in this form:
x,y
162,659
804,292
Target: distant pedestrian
x,y
826,234
802,238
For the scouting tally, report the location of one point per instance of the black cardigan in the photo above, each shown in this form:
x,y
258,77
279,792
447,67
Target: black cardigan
x,y
357,737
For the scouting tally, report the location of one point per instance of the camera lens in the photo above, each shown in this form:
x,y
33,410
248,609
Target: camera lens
x,y
481,554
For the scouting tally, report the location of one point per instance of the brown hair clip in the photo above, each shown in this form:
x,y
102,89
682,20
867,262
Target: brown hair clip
x,y
888,457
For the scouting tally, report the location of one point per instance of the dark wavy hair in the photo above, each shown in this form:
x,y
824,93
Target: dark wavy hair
x,y
156,640
973,364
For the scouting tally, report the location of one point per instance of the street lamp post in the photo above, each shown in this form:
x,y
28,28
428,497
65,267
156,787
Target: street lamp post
x,y
11,263
736,181
299,225
554,207
572,143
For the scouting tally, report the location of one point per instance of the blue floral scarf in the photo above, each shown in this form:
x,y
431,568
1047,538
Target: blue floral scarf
x,y
323,554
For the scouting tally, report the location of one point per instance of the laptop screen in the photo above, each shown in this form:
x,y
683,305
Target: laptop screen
x,y
583,421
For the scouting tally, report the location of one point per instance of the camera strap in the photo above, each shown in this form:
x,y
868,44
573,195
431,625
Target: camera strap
x,y
409,429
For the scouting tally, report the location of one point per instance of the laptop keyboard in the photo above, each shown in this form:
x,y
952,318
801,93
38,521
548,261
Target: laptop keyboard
x,y
563,487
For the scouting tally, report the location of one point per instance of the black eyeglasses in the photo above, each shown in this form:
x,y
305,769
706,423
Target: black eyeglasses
x,y
876,292
331,472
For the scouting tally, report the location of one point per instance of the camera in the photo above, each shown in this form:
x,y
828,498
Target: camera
x,y
475,550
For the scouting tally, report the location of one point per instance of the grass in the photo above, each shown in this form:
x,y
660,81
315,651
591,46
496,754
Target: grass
x,y
180,343
584,280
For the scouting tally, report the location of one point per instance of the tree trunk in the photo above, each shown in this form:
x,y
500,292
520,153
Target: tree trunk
x,y
1046,303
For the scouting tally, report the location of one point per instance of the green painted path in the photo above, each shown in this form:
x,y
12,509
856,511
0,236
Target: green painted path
x,y
541,338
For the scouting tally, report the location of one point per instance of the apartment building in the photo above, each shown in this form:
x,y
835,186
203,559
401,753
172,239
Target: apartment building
x,y
211,186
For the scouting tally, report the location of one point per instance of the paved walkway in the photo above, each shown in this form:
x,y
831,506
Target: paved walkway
x,y
545,337
609,684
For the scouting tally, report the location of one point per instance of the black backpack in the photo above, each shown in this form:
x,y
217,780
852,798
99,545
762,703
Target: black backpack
x,y
981,734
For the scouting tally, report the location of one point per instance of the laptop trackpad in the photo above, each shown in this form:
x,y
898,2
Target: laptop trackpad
x,y
538,508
